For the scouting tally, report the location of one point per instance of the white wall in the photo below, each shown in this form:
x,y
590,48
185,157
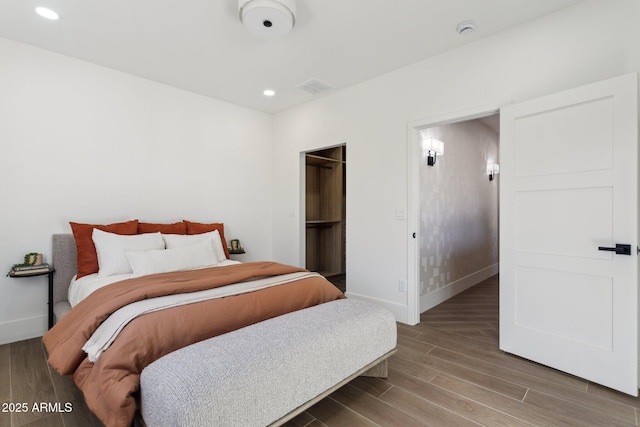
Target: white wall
x,y
97,145
79,142
458,215
592,41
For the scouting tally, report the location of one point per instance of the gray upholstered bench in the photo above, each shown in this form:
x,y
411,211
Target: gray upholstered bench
x,y
268,372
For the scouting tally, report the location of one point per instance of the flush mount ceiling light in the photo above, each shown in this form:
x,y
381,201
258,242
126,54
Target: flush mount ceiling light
x,y
47,13
267,18
269,92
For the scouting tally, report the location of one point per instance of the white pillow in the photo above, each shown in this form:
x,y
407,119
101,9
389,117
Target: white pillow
x,y
182,258
111,248
180,240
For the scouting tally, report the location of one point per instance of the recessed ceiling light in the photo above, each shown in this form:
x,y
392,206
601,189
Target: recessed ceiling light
x,y
269,92
47,13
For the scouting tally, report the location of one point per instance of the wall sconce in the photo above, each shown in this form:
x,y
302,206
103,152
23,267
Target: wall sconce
x,y
493,169
431,148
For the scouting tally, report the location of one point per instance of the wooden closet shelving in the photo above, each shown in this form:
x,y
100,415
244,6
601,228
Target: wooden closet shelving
x,y
325,211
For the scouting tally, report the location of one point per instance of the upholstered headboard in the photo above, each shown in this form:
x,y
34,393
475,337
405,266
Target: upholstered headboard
x,y
63,258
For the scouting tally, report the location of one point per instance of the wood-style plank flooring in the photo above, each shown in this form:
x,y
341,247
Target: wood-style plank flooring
x,y
448,371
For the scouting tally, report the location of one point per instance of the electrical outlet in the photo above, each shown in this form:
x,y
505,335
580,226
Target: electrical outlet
x,y
402,285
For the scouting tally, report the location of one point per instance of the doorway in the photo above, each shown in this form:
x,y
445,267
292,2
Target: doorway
x,y
458,224
453,207
569,289
325,213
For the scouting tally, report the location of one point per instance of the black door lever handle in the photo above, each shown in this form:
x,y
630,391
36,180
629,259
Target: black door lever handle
x,y
620,249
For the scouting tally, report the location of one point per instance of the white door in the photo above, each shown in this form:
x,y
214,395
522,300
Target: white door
x,y
569,186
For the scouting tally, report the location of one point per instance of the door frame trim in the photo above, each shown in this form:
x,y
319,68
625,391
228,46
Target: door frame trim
x,y
413,194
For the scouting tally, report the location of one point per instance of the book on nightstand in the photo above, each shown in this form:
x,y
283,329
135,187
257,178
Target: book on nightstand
x,y
30,269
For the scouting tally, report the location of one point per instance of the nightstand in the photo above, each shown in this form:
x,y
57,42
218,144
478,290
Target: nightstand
x,y
42,273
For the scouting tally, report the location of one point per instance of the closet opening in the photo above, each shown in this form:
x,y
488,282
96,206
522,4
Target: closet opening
x,y
325,213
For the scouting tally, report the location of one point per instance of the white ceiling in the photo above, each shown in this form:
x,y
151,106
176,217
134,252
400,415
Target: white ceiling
x,y
201,46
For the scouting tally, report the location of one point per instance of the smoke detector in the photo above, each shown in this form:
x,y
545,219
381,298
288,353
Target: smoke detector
x,y
267,18
466,27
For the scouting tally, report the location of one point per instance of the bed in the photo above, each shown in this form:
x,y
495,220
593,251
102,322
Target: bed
x,y
274,324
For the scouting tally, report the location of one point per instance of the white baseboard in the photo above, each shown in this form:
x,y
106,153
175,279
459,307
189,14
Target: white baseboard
x,y
434,298
22,329
399,311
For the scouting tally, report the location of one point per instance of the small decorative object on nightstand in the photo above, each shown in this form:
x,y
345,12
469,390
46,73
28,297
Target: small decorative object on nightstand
x,y
31,267
236,248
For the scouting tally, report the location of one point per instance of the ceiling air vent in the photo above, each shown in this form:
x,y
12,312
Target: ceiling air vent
x,y
314,86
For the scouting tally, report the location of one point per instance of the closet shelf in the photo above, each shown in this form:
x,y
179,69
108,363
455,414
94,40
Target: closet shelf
x,y
315,160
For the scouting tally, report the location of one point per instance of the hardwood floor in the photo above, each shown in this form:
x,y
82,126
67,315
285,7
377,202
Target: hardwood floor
x,y
27,380
448,371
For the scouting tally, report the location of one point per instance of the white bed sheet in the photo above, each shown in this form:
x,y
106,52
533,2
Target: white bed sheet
x,y
81,288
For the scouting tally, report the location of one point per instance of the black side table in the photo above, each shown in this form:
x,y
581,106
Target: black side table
x,y
42,273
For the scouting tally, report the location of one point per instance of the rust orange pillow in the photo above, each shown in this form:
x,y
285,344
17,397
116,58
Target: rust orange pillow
x,y
175,228
86,256
199,228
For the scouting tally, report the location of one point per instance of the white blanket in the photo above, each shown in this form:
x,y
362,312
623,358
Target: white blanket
x,y
111,327
81,288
